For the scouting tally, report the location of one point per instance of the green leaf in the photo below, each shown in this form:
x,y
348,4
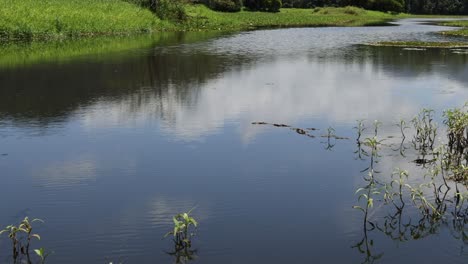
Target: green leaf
x,y
358,190
40,252
186,217
363,195
36,236
194,222
359,208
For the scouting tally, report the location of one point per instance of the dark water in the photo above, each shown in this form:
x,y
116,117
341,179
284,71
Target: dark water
x,y
107,148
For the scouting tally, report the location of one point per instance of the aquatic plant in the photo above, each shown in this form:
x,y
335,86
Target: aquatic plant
x,y
367,193
360,127
426,131
43,254
26,226
181,231
402,126
456,121
439,194
14,234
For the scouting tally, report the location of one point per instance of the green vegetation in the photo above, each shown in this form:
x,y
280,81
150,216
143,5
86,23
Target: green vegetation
x,y
181,231
56,19
170,10
225,5
42,254
263,5
201,17
420,44
30,19
461,32
438,192
20,237
456,23
447,7
182,237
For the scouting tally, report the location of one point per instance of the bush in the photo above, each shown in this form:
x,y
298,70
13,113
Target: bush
x,y
387,5
273,5
351,10
164,9
263,5
169,9
225,5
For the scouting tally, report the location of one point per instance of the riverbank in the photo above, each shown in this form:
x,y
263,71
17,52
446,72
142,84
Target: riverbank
x,y
201,17
62,19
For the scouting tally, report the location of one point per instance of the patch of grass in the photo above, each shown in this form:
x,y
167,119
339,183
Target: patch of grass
x,y
200,17
456,23
460,32
32,19
420,44
459,23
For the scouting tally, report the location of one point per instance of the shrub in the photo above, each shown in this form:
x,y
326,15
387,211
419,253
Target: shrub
x,y
225,5
351,10
169,9
387,5
164,9
263,5
252,4
273,5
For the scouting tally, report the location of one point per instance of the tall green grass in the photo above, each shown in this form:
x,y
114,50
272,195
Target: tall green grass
x,y
27,19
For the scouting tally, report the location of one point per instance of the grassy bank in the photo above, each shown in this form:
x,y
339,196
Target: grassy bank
x,y
201,17
49,19
32,19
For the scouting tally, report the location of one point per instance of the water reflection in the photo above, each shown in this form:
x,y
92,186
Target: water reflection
x,y
195,94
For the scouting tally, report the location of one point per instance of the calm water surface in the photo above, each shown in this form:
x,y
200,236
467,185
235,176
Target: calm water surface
x,y
107,148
